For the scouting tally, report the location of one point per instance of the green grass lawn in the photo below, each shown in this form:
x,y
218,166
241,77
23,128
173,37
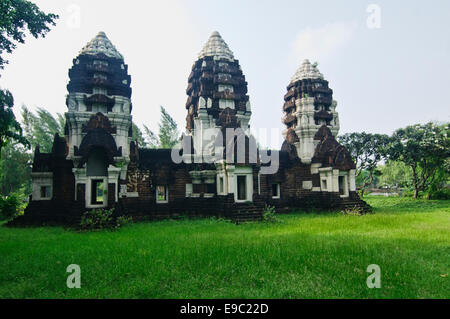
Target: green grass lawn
x,y
302,256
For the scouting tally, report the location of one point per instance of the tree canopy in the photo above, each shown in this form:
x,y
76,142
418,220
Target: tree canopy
x,y
15,166
167,137
367,151
9,127
17,17
168,130
395,174
423,147
40,128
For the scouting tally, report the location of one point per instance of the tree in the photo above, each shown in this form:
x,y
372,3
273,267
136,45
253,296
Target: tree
x,y
40,128
438,187
168,130
150,138
363,178
10,129
15,166
138,136
18,16
167,137
395,174
425,148
146,138
367,151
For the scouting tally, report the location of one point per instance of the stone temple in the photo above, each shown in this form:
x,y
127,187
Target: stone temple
x,y
98,165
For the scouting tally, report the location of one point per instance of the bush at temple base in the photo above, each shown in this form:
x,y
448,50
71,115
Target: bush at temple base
x,y
269,214
98,219
9,206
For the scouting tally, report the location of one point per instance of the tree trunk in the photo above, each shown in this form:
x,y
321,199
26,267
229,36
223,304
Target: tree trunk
x,y
415,182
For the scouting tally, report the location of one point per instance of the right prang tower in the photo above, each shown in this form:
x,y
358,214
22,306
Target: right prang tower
x,y
308,105
315,170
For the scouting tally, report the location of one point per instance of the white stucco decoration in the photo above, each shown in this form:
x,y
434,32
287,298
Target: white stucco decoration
x,y
306,71
307,185
248,106
101,44
201,103
217,48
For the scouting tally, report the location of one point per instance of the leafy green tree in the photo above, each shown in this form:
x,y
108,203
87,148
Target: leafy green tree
x,y
363,177
166,138
151,140
17,17
395,174
425,148
438,188
137,135
10,129
9,207
367,151
15,166
168,130
40,128
146,138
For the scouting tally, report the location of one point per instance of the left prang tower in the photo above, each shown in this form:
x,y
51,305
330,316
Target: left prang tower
x,y
99,84
98,129
85,167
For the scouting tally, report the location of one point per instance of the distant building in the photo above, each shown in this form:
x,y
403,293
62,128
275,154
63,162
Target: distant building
x,y
97,165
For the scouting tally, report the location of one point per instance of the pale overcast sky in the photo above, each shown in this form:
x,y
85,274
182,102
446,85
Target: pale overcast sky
x,y
383,78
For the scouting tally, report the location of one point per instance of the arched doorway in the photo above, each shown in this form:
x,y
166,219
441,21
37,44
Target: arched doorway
x,y
97,174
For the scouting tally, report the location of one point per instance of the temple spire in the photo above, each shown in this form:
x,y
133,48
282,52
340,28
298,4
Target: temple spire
x,y
306,71
217,48
101,45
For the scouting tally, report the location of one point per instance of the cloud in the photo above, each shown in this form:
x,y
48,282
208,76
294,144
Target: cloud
x,y
319,44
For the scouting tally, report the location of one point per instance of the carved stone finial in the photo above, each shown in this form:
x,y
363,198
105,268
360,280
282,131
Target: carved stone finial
x,y
306,71
216,47
101,45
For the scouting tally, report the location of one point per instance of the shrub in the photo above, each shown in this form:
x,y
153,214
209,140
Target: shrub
x,y
269,214
219,219
353,211
9,206
97,219
441,194
409,192
123,220
101,218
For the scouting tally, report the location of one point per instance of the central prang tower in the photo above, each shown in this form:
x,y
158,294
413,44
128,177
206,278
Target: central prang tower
x,y
218,101
217,93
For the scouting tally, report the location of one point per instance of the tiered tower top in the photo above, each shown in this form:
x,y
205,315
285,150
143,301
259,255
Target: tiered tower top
x,y
306,71
101,45
99,80
217,48
217,90
308,106
99,102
